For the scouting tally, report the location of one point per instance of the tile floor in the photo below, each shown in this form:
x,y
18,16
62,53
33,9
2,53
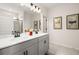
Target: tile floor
x,y
60,50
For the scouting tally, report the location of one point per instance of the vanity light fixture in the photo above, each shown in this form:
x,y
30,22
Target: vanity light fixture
x,y
36,9
32,7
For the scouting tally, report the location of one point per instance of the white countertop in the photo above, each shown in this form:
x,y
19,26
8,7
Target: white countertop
x,y
10,40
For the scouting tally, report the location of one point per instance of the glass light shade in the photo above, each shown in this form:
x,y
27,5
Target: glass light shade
x,y
36,9
39,10
32,7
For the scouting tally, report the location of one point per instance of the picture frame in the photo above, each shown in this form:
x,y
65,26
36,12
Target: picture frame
x,y
72,21
57,22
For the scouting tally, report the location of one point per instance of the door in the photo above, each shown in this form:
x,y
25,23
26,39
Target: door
x,y
33,50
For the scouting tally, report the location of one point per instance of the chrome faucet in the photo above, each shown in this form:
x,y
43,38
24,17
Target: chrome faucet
x,y
16,33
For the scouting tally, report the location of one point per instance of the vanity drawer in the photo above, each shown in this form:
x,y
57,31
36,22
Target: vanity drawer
x,y
29,43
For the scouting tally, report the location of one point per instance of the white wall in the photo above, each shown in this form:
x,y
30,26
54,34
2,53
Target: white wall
x,y
64,37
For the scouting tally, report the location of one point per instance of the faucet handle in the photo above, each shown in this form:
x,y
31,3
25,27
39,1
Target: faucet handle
x,y
13,32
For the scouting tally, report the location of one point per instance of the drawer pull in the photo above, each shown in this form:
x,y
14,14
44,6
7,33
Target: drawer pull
x,y
25,52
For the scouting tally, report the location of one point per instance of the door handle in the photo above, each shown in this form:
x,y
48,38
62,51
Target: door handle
x,y
25,52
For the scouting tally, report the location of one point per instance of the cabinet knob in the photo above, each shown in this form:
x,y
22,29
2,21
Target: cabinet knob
x,y
44,41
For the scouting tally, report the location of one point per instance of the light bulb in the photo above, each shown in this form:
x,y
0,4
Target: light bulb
x,y
39,10
36,9
32,7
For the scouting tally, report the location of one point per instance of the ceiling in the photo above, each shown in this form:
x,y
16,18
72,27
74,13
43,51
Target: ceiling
x,y
52,5
48,5
45,5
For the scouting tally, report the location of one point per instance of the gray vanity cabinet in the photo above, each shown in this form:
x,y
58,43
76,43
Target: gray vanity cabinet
x,y
35,46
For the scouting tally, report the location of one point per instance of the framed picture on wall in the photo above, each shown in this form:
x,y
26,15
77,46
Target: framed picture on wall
x,y
57,22
72,21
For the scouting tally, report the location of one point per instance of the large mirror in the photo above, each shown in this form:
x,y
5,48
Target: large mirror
x,y
7,22
30,19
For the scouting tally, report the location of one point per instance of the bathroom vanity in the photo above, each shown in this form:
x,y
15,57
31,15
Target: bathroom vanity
x,y
37,44
15,23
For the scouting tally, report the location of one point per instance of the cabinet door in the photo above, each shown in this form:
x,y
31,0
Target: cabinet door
x,y
32,50
46,44
43,45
